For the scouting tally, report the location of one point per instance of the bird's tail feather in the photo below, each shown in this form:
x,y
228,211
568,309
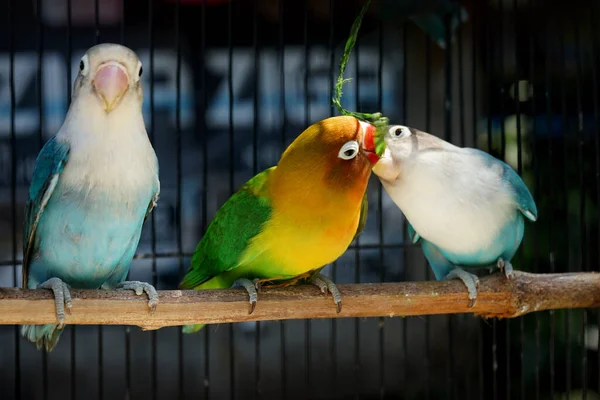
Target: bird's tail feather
x,y
42,335
218,282
192,328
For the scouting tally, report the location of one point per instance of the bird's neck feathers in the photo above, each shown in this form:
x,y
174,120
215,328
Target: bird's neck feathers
x,y
311,178
421,150
309,192
109,150
88,124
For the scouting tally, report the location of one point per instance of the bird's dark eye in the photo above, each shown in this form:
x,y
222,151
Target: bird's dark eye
x,y
349,150
140,73
400,132
84,65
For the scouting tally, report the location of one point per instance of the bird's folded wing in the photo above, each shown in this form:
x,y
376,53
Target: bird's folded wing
x,y
50,163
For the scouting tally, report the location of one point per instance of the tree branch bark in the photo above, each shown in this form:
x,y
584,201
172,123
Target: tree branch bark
x,y
498,297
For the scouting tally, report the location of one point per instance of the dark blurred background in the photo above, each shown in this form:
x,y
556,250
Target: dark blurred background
x,y
228,85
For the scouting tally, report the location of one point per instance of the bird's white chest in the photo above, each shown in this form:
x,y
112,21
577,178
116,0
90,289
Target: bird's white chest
x,y
123,170
458,208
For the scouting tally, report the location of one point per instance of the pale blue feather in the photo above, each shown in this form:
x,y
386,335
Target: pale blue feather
x,y
505,246
507,240
521,193
93,186
49,164
83,237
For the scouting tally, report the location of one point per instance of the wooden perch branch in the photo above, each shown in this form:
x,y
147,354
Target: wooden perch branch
x,y
497,297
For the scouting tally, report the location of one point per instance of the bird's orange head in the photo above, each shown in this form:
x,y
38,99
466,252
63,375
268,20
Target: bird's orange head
x,y
332,155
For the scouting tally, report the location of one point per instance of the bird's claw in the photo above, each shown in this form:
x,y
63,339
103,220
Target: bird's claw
x,y
62,297
257,284
326,285
471,281
251,287
321,284
140,288
507,267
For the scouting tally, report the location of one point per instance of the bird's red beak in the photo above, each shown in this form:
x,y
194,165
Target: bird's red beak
x,y
368,142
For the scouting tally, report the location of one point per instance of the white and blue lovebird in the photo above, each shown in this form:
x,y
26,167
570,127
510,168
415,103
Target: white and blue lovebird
x,y
93,186
462,205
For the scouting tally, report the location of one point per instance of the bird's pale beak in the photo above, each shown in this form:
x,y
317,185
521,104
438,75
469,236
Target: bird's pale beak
x,y
111,81
368,142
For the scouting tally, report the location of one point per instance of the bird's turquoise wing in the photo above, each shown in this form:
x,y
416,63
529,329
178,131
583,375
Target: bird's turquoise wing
x,y
48,166
153,200
237,221
523,197
412,234
440,266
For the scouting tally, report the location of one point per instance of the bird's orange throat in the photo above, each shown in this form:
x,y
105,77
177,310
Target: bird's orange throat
x,y
311,202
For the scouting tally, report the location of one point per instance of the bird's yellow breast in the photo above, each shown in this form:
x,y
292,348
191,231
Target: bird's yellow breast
x,y
312,222
289,246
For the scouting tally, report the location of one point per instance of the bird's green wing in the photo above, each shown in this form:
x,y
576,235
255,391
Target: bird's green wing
x,y
362,221
48,166
237,221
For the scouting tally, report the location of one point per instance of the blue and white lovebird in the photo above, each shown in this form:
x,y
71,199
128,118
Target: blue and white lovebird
x,y
464,206
93,186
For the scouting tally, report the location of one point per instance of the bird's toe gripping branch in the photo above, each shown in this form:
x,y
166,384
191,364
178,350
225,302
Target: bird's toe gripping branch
x,y
326,284
139,288
507,267
251,287
470,280
62,297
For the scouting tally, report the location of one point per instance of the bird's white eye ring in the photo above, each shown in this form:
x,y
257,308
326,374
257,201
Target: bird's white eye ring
x,y
84,65
349,150
399,131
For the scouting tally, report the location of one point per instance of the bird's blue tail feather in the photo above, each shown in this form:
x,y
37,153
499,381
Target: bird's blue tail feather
x,y
42,335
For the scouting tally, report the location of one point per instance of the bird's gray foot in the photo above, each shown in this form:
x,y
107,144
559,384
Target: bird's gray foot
x,y
251,287
62,297
507,267
326,284
139,288
470,280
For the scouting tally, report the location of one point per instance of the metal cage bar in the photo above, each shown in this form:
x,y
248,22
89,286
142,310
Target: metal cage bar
x,y
524,60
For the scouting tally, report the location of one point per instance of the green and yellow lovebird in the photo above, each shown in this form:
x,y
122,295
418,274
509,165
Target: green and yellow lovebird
x,y
289,221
